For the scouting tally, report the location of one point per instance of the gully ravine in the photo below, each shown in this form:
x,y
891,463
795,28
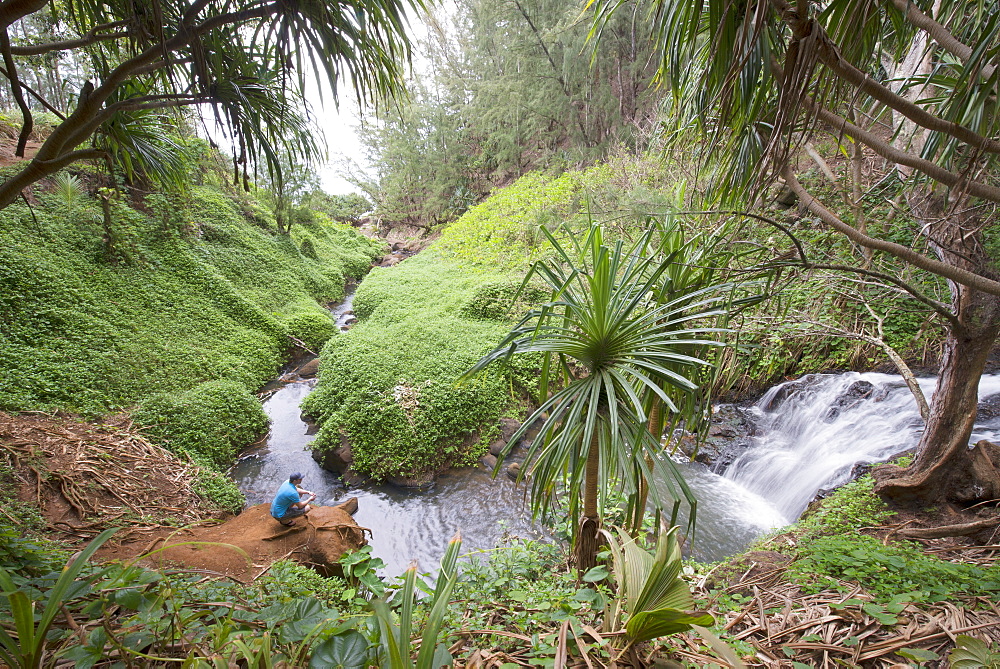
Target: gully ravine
x,y
801,437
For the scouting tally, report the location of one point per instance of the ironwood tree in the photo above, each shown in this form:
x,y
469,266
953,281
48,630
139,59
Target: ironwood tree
x,y
510,87
909,85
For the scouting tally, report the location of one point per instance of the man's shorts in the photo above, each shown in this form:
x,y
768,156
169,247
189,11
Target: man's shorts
x,y
292,512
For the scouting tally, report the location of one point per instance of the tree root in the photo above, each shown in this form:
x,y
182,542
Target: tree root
x,y
958,530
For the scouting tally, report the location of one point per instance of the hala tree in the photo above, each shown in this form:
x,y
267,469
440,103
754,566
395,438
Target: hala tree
x,y
906,85
609,348
248,61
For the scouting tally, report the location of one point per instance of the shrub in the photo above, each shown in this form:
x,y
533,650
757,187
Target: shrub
x,y
391,382
220,491
210,422
851,506
185,309
888,571
313,328
308,247
495,301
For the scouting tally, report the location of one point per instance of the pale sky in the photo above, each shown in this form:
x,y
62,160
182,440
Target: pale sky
x,y
338,125
341,141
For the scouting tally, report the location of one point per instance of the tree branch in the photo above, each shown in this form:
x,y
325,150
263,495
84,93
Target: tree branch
x,y
956,274
939,307
172,103
829,54
13,10
92,37
88,109
889,152
28,122
70,158
939,34
56,152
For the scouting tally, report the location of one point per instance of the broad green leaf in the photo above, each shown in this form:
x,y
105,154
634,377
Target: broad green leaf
x,y
653,624
343,651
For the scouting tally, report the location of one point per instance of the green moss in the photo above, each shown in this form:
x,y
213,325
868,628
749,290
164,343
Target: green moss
x,y
888,570
313,327
851,506
391,382
502,300
195,292
210,422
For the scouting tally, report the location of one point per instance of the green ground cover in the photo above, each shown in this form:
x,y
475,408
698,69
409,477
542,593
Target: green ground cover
x,y
391,383
179,310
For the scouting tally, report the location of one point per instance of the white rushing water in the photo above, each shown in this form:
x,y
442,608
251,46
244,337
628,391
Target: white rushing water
x,y
810,433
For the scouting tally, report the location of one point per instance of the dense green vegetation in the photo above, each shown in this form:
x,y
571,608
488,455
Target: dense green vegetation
x,y
146,282
180,310
391,383
215,299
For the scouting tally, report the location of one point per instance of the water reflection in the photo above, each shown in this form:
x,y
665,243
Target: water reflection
x,y
410,525
407,525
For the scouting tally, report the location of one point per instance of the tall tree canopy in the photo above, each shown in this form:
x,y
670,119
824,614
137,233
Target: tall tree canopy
x,y
142,58
510,87
908,85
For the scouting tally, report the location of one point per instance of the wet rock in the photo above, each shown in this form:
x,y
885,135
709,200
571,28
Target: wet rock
x,y
309,369
337,459
532,432
723,431
989,408
775,399
856,393
513,470
350,506
311,428
496,448
488,461
508,426
351,477
389,261
728,437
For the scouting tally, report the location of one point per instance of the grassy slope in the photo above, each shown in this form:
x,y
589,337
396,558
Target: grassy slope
x,y
391,382
180,312
426,321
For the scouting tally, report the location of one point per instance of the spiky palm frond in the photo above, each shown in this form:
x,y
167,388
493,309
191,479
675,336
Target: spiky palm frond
x,y
614,347
753,77
139,143
250,60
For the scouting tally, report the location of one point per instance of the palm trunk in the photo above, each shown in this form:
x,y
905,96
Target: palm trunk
x,y
586,542
654,425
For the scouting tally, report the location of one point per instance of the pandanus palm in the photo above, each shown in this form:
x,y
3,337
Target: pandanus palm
x,y
614,346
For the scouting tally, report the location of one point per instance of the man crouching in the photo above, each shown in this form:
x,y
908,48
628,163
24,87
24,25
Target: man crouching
x,y
288,503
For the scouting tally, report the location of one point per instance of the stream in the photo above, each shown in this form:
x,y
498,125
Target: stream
x,y
804,436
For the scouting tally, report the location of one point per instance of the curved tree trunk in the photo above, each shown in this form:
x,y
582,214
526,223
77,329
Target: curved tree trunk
x,y
945,468
590,524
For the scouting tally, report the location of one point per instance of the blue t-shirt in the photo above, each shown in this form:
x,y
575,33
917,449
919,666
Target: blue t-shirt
x,y
287,495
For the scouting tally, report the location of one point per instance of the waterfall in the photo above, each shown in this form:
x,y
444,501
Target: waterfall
x,y
810,433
